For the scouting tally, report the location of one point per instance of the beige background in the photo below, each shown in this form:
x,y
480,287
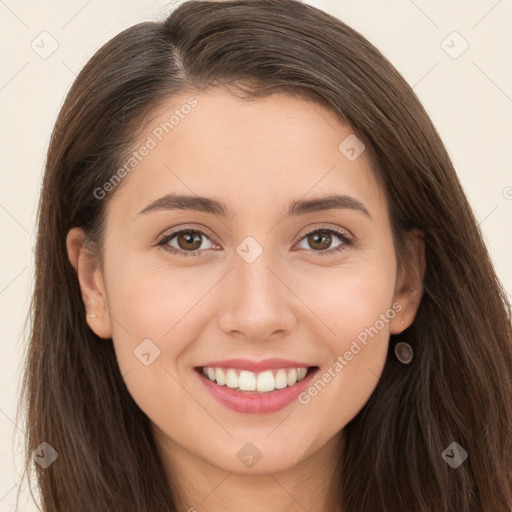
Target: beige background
x,y
469,99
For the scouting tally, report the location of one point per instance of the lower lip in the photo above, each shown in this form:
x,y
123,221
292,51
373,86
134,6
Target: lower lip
x,y
254,402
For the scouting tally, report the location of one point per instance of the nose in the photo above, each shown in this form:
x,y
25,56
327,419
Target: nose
x,y
257,302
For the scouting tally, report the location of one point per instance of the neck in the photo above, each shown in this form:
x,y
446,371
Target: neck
x,y
200,486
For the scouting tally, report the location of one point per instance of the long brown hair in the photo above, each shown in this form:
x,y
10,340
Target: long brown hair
x,y
458,387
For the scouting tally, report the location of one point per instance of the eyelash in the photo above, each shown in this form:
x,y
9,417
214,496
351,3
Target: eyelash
x,y
345,239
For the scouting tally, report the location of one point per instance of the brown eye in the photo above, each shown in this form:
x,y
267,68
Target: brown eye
x,y
320,240
189,240
185,242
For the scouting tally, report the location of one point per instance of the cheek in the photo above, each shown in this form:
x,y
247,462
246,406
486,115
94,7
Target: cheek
x,y
151,314
359,316
355,306
351,298
164,305
150,299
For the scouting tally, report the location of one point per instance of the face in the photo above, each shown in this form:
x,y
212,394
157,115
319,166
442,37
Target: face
x,y
261,288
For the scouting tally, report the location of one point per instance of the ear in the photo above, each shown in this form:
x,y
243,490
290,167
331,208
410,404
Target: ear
x,y
409,283
91,282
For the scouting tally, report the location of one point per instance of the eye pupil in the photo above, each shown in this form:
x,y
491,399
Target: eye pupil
x,y
189,237
318,236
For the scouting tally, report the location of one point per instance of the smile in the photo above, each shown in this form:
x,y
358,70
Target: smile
x,y
252,392
263,382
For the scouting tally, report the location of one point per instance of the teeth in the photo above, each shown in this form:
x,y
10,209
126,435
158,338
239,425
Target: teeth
x,y
246,381
220,376
264,382
231,378
281,380
291,378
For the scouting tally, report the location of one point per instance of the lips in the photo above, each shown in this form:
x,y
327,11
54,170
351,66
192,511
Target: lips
x,y
256,366
255,386
245,380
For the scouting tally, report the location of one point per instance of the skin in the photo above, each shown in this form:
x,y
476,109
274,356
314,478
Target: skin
x,y
256,156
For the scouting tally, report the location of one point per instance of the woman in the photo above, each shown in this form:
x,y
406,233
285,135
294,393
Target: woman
x,y
339,339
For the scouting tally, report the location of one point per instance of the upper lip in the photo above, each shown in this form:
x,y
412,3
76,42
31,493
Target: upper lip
x,y
256,366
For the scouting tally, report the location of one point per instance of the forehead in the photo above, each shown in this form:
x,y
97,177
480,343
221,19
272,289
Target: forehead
x,y
245,152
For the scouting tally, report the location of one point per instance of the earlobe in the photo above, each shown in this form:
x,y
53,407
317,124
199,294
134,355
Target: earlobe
x,y
409,286
91,283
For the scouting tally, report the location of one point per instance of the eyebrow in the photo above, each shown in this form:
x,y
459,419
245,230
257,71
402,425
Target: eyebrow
x,y
300,207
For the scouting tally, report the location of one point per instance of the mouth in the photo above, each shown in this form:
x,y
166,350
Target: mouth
x,y
255,383
244,391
